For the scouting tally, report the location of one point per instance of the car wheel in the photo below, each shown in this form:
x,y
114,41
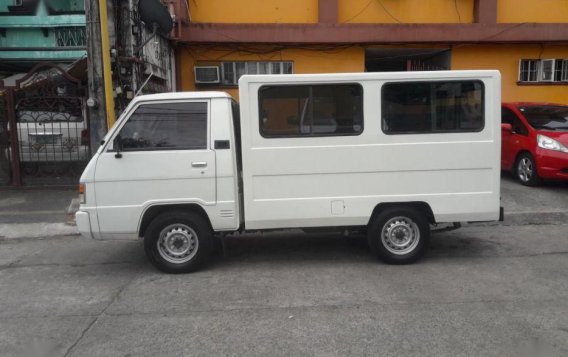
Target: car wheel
x,y
178,242
399,235
525,170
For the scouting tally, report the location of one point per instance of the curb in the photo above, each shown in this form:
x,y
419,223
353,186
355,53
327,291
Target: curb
x,y
535,218
73,207
48,229
36,230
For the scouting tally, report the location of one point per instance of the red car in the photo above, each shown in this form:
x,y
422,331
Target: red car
x,y
535,141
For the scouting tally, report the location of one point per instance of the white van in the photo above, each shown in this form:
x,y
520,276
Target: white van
x,y
388,153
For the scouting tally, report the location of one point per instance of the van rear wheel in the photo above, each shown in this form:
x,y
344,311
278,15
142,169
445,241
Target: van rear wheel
x,y
178,242
399,235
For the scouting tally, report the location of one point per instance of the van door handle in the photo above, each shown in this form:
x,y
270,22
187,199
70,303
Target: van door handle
x,y
199,164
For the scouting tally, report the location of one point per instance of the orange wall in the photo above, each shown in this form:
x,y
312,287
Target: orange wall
x,y
254,11
407,11
305,61
506,59
532,11
374,11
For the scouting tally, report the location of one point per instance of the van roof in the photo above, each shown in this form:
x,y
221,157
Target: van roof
x,y
181,95
362,76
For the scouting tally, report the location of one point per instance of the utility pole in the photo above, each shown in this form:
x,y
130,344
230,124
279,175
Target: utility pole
x,y
122,57
107,23
96,106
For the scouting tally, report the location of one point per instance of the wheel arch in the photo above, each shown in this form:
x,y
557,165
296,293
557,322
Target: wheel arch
x,y
519,153
421,206
155,210
516,161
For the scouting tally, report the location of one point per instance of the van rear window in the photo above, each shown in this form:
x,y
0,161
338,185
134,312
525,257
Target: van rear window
x,y
432,107
310,110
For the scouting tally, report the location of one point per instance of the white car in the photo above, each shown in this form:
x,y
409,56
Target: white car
x,y
46,136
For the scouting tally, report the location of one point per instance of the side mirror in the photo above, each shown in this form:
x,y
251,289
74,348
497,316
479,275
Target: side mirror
x,y
117,146
507,128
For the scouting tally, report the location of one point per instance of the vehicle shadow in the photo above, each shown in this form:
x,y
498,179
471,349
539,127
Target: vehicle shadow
x,y
450,245
508,177
293,246
318,248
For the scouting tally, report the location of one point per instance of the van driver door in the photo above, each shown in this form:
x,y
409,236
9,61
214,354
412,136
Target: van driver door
x,y
161,154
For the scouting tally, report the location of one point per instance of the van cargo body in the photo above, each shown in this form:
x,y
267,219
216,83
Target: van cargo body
x,y
389,153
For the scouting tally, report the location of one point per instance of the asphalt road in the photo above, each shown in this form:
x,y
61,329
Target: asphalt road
x,y
481,291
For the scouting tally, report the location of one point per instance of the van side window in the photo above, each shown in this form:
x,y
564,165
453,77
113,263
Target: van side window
x,y
432,107
310,110
166,126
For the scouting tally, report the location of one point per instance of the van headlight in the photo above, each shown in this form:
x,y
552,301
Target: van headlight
x,y
550,144
82,194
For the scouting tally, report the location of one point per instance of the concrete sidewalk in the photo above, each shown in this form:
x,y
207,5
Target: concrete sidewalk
x,y
34,213
545,204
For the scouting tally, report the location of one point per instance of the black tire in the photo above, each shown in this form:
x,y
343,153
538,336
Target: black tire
x,y
525,170
178,242
412,226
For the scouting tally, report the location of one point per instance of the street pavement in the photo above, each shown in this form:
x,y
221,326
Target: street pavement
x,y
484,290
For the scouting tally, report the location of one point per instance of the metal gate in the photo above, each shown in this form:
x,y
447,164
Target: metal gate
x,y
5,174
47,127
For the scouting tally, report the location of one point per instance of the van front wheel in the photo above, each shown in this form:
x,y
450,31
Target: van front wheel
x,y
178,242
399,235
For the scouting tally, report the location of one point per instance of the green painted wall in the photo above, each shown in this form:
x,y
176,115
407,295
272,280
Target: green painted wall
x,y
55,32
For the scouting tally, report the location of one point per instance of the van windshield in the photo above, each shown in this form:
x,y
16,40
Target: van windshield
x,y
548,117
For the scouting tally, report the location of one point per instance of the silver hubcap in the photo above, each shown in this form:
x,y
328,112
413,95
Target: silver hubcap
x,y
178,243
400,235
525,169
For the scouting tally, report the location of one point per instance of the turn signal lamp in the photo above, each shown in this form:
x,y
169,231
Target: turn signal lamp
x,y
82,195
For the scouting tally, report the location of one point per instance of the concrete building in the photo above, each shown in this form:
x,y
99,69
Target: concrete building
x,y
40,31
527,40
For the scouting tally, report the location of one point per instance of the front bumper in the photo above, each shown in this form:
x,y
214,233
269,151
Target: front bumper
x,y
552,164
84,224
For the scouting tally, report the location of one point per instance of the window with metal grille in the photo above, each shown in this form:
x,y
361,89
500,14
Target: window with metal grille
x,y
543,70
528,70
70,36
232,71
564,71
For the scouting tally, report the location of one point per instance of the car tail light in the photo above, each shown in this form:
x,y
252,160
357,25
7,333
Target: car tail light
x,y
85,137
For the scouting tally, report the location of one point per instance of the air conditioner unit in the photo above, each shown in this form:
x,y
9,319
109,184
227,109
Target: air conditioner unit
x,y
207,74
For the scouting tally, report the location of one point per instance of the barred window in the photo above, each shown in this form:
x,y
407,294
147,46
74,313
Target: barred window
x,y
232,71
543,70
70,36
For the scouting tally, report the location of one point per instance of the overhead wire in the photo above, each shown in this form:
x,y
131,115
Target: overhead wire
x,y
385,9
360,12
458,11
388,12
